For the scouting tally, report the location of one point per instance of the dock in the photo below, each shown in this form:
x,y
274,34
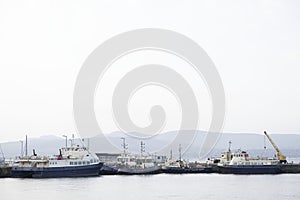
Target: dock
x,y
290,168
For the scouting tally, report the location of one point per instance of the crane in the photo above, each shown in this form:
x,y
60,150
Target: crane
x,y
280,156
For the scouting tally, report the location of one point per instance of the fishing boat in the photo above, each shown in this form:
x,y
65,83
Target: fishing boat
x,y
134,164
74,161
137,164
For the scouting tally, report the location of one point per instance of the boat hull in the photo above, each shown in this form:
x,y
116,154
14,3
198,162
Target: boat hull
x,y
107,170
5,171
139,171
248,169
180,170
56,172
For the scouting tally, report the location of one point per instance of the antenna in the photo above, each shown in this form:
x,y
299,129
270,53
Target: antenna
x,y
265,147
124,145
229,148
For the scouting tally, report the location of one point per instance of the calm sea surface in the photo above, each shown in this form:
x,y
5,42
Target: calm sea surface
x,y
162,186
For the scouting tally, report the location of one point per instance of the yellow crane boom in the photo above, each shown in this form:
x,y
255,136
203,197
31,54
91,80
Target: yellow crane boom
x,y
280,156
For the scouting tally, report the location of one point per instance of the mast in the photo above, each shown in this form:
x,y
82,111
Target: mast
x,y
142,147
73,140
22,150
124,145
65,136
2,152
280,156
179,149
26,147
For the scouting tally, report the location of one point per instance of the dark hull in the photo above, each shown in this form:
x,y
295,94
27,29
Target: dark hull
x,y
107,170
5,171
139,171
180,170
248,169
56,172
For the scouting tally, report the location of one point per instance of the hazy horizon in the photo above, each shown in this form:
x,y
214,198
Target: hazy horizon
x,y
255,47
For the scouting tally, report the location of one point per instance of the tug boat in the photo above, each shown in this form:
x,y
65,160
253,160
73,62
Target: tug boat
x,y
182,167
74,161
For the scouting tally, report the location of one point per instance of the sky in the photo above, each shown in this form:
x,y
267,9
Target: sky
x,y
255,46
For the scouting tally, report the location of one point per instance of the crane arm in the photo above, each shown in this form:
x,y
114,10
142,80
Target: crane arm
x,y
281,157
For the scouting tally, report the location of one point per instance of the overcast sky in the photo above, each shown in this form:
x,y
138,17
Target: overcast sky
x,y
255,46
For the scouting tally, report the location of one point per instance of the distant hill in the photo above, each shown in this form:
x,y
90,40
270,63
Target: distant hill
x,y
49,145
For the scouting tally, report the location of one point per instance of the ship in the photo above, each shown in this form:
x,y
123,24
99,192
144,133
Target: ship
x,y
133,164
240,163
137,164
182,167
5,168
73,161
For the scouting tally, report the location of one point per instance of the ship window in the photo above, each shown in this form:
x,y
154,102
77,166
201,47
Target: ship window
x,y
75,163
83,162
71,163
79,163
88,162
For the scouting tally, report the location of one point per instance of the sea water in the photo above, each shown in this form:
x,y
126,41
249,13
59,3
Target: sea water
x,y
161,186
